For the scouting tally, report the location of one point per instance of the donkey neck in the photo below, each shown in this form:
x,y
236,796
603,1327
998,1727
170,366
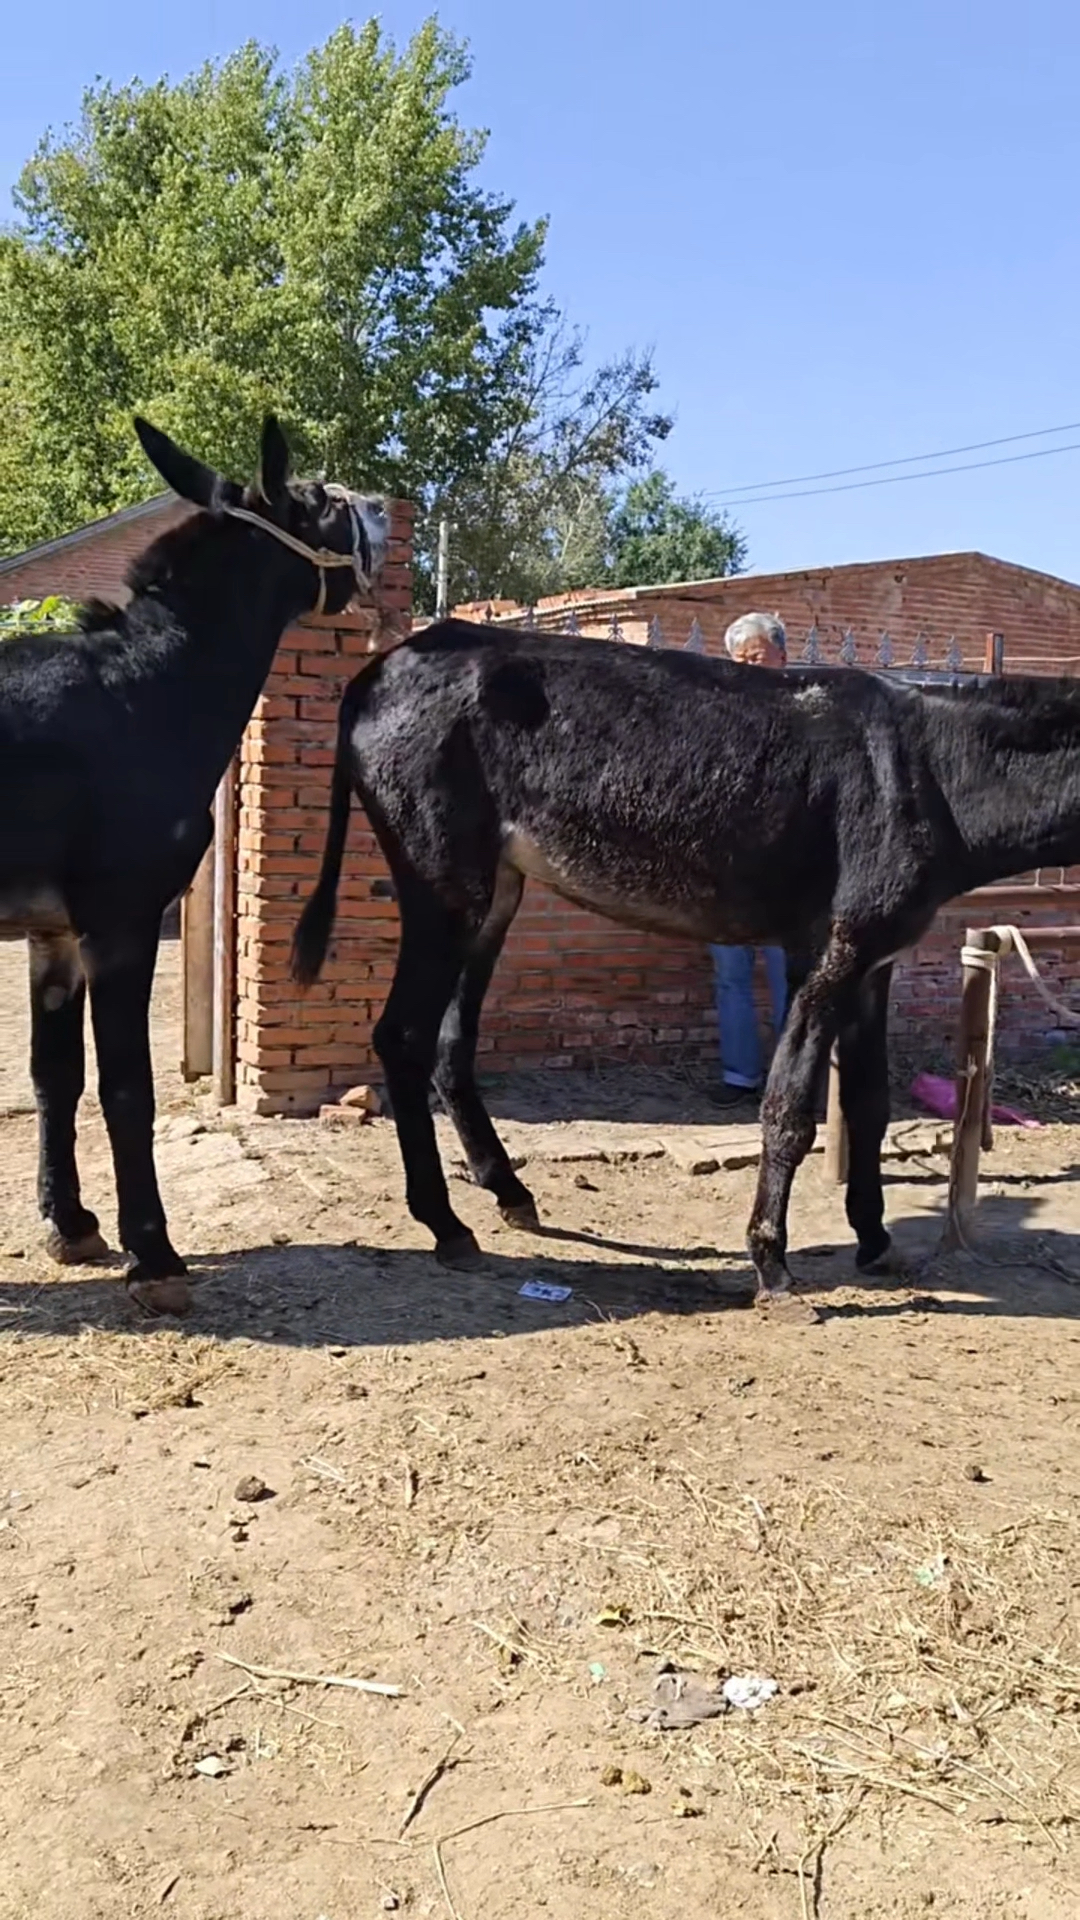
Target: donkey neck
x,y
207,632
1008,762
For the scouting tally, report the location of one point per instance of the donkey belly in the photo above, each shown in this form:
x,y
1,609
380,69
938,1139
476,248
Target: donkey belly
x,y
660,896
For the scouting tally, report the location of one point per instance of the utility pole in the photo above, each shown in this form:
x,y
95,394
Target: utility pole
x,y
442,572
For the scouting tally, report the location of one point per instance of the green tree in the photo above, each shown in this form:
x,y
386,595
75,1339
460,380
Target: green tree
x,y
654,537
314,241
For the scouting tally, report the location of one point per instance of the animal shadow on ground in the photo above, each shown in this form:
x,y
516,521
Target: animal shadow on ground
x,y
355,1295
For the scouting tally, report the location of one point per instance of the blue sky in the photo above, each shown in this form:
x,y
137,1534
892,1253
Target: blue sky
x,y
850,230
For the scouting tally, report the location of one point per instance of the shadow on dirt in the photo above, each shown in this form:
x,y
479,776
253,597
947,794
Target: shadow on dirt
x,y
317,1295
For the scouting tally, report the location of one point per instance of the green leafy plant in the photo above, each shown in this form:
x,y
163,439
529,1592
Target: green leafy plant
x,y
54,614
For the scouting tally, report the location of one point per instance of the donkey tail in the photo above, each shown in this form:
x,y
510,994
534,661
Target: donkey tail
x,y
316,923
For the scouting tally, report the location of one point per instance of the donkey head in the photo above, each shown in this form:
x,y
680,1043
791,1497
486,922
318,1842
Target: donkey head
x,y
344,535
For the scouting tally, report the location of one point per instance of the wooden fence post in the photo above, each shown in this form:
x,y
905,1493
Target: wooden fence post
x,y
836,1133
197,970
224,1010
972,1087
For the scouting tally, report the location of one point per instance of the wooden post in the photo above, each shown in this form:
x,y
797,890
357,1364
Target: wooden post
x,y
971,1085
197,968
224,972
994,656
836,1133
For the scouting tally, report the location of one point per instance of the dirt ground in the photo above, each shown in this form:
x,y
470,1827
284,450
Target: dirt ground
x,y
514,1512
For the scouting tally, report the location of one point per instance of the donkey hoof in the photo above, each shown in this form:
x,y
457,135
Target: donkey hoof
x,y
161,1296
167,1266
523,1216
882,1262
792,1309
461,1254
75,1252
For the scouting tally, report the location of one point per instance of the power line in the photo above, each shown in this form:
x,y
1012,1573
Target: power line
x,y
895,479
876,466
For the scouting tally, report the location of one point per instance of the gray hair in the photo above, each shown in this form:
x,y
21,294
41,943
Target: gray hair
x,y
756,626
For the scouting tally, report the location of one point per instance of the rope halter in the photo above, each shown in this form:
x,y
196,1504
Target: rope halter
x,y
322,558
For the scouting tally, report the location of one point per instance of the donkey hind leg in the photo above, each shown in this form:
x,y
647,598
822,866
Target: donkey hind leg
x,y
787,1112
434,945
864,1097
58,1071
455,1060
120,971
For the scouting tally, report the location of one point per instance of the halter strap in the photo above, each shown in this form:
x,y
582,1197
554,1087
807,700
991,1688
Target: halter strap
x,y
320,557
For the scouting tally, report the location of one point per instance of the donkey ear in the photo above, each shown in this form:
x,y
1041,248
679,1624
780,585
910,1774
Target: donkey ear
x,y
181,471
273,462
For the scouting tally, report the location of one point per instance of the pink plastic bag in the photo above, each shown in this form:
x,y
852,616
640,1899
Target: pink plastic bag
x,y
938,1096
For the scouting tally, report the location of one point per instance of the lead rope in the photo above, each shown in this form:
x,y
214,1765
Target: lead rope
x,y
321,557
980,960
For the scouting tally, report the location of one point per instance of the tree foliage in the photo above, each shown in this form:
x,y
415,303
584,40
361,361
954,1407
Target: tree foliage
x,y
313,241
655,537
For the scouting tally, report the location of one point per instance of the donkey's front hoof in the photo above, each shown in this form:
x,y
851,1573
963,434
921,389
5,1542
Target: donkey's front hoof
x,y
523,1216
792,1309
76,1252
158,1297
461,1254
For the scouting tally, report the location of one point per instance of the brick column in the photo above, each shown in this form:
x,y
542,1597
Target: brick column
x,y
293,1051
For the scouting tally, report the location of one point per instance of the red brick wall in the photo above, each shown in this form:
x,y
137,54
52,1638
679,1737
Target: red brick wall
x,y
292,1049
94,565
965,595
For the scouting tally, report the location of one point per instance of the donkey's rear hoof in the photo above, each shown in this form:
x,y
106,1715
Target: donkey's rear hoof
x,y
461,1254
76,1252
523,1216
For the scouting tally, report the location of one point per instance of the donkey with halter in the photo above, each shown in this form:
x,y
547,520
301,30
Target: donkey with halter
x,y
691,796
112,743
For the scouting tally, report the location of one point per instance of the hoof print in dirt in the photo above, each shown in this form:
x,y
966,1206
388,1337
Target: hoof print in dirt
x,y
790,1309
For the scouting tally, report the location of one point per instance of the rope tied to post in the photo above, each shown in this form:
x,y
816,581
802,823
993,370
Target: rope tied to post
x,y
1011,940
986,960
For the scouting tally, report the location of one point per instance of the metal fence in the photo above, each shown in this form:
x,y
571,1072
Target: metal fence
x,y
818,648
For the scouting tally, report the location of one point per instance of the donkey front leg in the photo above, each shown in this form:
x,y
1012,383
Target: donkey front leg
x,y
120,969
58,1069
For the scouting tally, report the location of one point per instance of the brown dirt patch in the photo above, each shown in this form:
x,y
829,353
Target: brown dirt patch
x,y
461,1483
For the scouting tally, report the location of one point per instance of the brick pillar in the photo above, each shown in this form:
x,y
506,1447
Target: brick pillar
x,y
294,1050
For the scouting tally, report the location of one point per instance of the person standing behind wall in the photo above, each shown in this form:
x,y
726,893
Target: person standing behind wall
x,y
755,640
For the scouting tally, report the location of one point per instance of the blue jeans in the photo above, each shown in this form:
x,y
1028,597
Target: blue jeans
x,y
740,1041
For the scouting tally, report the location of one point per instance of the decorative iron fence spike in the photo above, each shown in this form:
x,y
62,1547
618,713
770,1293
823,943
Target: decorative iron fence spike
x,y
572,625
954,658
615,631
656,632
920,652
885,650
695,639
849,651
529,621
811,653
489,617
